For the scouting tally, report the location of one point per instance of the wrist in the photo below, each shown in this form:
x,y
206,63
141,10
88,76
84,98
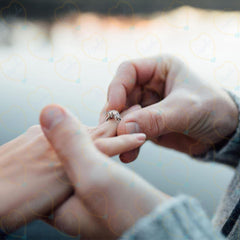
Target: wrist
x,y
233,114
226,149
226,119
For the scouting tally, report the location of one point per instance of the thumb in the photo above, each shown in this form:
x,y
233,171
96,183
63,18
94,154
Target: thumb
x,y
155,120
71,143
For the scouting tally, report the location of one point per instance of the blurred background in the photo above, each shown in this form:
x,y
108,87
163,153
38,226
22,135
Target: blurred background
x,y
44,8
67,52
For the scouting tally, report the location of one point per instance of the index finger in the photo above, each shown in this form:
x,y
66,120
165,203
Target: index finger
x,y
128,75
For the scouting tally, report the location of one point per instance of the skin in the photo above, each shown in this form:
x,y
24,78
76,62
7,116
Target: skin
x,y
30,186
98,201
108,198
34,183
179,109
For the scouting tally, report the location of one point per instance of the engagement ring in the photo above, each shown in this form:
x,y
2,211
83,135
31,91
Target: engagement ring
x,y
113,115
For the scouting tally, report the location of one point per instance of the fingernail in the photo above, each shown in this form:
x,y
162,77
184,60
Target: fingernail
x,y
52,116
141,137
132,127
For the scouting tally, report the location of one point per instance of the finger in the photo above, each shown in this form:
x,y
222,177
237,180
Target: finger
x,y
106,129
109,128
169,115
131,109
117,91
130,156
71,143
128,75
117,145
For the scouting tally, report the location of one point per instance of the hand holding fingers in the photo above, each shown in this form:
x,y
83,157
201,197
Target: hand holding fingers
x,y
174,100
86,169
136,82
109,128
103,137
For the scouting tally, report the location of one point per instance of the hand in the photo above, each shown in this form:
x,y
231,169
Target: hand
x,y
104,135
180,110
32,180
108,199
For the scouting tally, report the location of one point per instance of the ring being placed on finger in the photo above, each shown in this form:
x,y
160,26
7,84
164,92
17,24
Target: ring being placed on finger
x,y
113,115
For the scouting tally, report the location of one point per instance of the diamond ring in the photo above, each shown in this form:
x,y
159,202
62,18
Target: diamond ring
x,y
113,115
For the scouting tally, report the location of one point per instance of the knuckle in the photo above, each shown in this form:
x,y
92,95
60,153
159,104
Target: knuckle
x,y
170,62
41,144
125,64
35,135
195,102
34,129
155,124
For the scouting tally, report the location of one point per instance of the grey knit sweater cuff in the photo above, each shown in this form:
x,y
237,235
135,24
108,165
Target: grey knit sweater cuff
x,y
181,218
229,152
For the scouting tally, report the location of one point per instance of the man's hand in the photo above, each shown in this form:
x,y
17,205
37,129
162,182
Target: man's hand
x,y
179,110
108,199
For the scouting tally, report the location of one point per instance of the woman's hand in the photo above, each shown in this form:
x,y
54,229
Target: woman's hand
x,y
32,180
108,199
180,110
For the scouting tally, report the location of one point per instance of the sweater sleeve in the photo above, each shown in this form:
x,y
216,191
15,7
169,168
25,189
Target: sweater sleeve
x,y
228,151
181,218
